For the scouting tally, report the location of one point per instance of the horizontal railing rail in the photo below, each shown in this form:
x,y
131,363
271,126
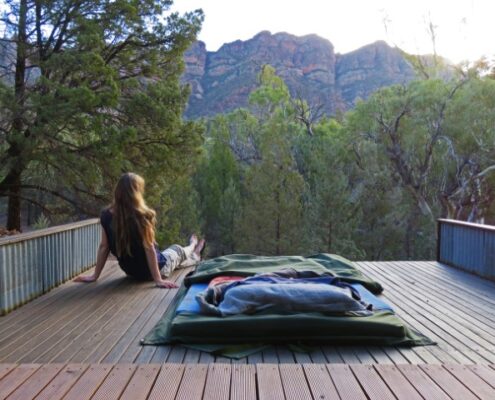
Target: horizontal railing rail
x,y
467,246
35,262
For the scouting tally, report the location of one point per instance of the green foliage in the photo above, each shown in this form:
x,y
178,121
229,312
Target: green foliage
x,y
272,217
105,98
217,182
369,187
41,222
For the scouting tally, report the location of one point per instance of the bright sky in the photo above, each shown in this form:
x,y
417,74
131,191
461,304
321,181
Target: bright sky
x,y
465,29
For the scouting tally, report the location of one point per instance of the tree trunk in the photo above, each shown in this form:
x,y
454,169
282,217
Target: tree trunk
x,y
329,239
13,183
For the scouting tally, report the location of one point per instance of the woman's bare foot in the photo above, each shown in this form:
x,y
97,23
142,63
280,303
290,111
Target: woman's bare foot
x,y
199,248
193,241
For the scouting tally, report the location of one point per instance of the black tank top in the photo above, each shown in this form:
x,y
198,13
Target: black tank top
x,y
135,265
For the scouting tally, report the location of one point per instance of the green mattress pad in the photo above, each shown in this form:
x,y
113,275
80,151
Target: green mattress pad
x,y
213,333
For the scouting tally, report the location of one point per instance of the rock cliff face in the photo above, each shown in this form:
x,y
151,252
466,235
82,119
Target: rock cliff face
x,y
221,81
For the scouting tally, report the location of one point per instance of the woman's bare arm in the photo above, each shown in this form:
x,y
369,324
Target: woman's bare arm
x,y
155,271
101,259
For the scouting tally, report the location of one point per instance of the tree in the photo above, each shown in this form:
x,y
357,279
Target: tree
x,y
331,214
433,141
218,184
272,216
92,90
272,210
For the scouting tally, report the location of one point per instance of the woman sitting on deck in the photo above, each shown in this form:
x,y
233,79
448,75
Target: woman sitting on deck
x,y
129,234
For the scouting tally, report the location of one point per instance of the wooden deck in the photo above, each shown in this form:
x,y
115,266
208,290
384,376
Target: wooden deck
x,y
82,341
245,381
103,322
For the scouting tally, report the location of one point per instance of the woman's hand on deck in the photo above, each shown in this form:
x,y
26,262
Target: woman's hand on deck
x,y
166,284
85,278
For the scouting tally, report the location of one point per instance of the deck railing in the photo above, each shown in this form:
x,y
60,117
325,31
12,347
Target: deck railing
x,y
33,263
467,246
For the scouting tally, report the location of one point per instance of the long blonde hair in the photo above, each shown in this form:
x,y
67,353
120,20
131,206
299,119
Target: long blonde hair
x,y
131,214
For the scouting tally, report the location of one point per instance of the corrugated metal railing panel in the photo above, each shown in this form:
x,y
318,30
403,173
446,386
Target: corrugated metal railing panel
x,y
467,246
33,263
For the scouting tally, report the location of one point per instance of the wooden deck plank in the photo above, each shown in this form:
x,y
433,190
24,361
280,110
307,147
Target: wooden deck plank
x,y
319,381
426,295
45,345
457,279
97,342
285,356
255,358
61,384
146,355
270,356
371,382
332,355
317,356
395,355
238,382
16,378
38,330
422,383
472,381
379,355
36,382
192,356
127,347
141,382
193,383
458,306
294,382
398,384
167,383
206,358
458,302
475,344
345,382
484,372
149,320
89,382
115,382
347,354
176,355
81,341
243,382
363,355
6,368
119,326
161,353
302,358
217,385
450,385
222,360
38,308
411,355
457,352
269,382
446,290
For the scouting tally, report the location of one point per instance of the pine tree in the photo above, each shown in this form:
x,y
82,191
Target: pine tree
x,y
92,90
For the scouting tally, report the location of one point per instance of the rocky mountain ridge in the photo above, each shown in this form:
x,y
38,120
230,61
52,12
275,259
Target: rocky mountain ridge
x,y
222,80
